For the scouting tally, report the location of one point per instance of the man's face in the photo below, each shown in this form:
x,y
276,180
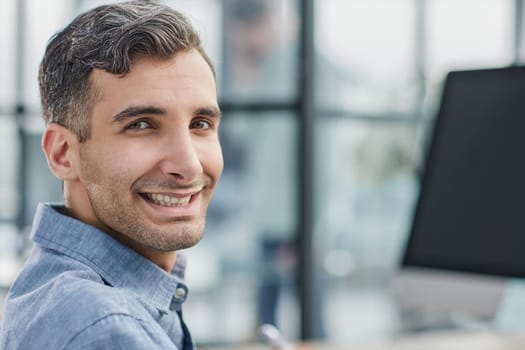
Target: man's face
x,y
149,169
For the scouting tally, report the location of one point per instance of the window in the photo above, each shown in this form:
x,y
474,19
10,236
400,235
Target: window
x,y
378,69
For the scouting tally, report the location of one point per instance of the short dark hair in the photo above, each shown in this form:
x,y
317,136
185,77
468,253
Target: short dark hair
x,y
108,37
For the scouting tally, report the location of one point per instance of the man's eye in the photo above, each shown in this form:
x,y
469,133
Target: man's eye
x,y
139,125
201,124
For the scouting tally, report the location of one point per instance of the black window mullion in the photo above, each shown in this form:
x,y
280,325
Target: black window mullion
x,y
306,272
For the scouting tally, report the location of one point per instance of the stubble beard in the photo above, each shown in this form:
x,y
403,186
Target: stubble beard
x,y
179,233
175,235
121,219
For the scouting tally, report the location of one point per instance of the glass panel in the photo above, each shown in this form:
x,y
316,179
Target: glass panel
x,y
44,18
10,261
41,184
11,244
9,170
468,34
260,50
365,55
7,57
366,192
242,272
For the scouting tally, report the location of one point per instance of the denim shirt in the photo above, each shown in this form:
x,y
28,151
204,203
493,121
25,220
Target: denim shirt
x,y
81,289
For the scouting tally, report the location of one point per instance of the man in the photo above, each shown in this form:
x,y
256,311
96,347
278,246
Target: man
x,y
130,104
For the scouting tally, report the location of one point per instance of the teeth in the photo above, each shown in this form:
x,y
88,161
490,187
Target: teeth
x,y
167,201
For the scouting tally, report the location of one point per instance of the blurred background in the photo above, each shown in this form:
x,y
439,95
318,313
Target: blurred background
x,y
327,111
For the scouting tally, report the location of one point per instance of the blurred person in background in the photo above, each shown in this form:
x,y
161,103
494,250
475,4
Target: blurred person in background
x,y
261,55
259,65
129,99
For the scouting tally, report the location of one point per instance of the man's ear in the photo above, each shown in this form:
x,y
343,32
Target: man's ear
x,y
60,146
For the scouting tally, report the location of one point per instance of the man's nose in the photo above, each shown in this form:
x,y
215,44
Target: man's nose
x,y
181,157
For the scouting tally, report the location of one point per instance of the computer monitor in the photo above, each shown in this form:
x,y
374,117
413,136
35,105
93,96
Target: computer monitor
x,y
468,231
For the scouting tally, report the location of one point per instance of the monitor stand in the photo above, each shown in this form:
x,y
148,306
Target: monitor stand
x,y
432,299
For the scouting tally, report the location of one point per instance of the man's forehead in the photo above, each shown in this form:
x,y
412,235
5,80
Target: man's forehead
x,y
190,61
156,83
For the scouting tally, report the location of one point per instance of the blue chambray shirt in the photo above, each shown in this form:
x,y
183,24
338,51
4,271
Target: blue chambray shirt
x,y
81,289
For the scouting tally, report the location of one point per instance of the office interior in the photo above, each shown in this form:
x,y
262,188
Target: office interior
x,y
328,108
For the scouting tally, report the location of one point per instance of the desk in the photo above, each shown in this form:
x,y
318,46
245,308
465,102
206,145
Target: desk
x,y
473,340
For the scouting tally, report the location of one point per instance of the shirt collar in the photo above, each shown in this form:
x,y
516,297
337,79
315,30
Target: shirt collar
x,y
117,264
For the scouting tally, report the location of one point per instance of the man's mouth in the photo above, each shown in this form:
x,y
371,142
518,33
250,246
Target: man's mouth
x,y
167,200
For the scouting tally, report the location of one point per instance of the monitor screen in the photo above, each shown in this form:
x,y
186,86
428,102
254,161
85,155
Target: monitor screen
x,y
470,215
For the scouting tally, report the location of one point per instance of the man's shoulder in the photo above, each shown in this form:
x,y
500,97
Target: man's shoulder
x,y
63,284
66,303
83,295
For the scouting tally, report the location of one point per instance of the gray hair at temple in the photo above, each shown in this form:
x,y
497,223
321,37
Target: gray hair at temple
x,y
109,38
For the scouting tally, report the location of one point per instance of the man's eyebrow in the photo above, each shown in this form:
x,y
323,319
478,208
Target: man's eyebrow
x,y
210,111
134,111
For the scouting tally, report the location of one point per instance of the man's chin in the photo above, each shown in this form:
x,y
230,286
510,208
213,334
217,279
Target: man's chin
x,y
175,239
172,246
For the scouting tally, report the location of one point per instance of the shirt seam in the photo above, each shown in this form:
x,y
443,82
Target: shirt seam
x,y
69,252
111,315
100,271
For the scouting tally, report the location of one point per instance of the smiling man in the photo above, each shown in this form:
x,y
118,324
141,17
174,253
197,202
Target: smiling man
x,y
129,99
